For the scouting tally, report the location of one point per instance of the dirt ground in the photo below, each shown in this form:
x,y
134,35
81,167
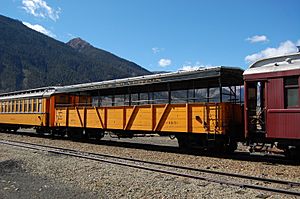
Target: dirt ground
x,y
16,182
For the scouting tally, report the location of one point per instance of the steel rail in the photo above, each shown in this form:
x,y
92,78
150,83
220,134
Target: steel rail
x,y
90,156
290,183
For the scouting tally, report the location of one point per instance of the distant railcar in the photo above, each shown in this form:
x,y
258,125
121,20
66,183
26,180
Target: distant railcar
x,y
28,108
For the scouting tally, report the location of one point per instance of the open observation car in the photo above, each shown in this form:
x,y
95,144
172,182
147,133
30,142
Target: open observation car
x,y
200,108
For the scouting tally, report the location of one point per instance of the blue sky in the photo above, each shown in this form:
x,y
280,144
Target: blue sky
x,y
169,35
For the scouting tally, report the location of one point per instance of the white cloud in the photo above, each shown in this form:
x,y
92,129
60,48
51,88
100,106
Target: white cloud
x,y
298,43
284,48
40,29
257,38
164,62
156,50
40,8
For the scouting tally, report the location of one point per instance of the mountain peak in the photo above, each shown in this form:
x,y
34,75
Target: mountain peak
x,y
78,43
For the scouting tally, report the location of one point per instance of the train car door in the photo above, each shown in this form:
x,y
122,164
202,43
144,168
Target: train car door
x,y
255,110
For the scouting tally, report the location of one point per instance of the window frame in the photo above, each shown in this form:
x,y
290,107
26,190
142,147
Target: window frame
x,y
29,110
21,106
34,105
40,105
290,86
17,106
25,105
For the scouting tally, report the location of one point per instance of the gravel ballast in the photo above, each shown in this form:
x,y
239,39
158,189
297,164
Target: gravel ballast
x,y
80,178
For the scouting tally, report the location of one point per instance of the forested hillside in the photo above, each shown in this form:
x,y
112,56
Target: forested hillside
x,y
29,59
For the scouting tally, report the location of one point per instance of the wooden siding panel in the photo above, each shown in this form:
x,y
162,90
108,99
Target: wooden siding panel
x,y
142,119
275,94
193,118
76,117
115,118
31,119
92,119
283,123
61,117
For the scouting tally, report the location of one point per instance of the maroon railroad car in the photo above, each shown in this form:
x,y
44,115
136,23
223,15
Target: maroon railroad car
x,y
272,105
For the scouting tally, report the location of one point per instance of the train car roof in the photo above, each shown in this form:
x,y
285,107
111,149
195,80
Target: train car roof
x,y
274,64
228,75
35,93
204,77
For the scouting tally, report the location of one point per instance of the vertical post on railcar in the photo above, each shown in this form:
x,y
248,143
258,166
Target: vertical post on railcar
x,y
240,94
194,92
207,94
153,101
113,100
148,95
187,95
138,98
98,98
235,95
220,88
124,99
129,97
169,94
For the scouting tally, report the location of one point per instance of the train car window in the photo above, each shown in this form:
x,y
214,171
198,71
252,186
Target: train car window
x,y
62,101
39,105
144,98
135,99
29,105
214,95
199,95
13,106
231,94
127,97
119,100
85,101
106,100
291,88
179,96
160,97
25,105
21,105
9,107
34,105
1,109
17,106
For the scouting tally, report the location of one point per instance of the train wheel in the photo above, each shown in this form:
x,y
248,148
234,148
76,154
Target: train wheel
x,y
182,141
231,147
74,134
100,135
292,153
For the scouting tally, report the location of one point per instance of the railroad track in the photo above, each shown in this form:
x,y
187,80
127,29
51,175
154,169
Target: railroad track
x,y
237,155
175,170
